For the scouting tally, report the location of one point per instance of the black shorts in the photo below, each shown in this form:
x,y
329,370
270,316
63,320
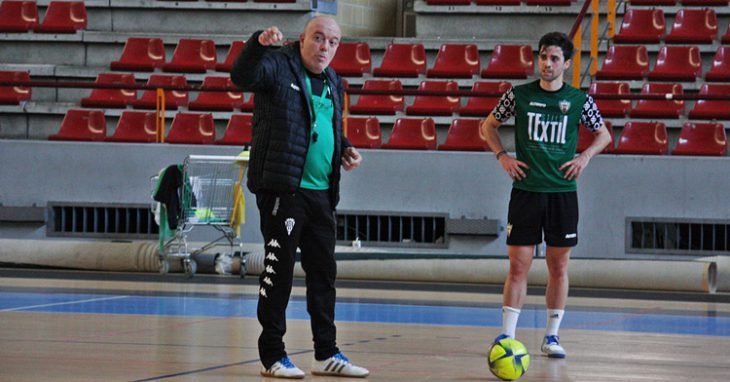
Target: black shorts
x,y
532,213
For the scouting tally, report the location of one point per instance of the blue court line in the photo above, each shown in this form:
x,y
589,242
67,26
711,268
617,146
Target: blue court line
x,y
646,321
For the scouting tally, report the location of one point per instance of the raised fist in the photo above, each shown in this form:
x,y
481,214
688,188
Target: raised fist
x,y
270,36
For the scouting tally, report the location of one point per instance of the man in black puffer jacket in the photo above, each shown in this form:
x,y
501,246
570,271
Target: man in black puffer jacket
x,y
296,151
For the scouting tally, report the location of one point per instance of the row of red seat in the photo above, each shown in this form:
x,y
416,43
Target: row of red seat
x,y
351,60
649,138
717,3
501,2
691,26
143,54
60,17
651,108
20,16
385,104
703,3
645,138
121,98
139,126
674,63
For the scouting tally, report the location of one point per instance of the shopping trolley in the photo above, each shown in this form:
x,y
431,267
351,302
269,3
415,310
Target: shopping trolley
x,y
210,195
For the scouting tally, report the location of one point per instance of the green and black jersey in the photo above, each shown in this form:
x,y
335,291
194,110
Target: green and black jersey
x,y
546,131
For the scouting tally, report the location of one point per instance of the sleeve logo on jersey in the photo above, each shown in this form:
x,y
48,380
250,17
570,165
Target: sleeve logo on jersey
x,y
564,106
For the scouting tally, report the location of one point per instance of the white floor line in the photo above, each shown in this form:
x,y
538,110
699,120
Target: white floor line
x,y
62,303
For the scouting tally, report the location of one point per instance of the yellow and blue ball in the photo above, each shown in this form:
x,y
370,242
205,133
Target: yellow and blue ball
x,y
508,359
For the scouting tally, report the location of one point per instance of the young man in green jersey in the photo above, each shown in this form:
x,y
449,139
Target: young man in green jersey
x,y
543,203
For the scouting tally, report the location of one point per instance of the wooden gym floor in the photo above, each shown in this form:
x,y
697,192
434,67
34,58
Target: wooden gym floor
x,y
88,326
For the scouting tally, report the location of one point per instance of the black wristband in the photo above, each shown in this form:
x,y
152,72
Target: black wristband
x,y
499,154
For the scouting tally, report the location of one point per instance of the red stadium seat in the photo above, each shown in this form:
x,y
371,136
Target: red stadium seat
x,y
379,104
413,134
364,132
585,138
248,105
707,139
677,63
238,131
173,98
455,61
725,39
135,126
482,106
63,17
14,95
612,108
402,60
643,138
352,59
217,101
111,98
720,70
448,2
435,105
652,2
18,16
141,55
642,26
192,56
709,109
693,26
497,2
81,125
510,61
624,62
708,3
652,108
189,128
233,52
465,135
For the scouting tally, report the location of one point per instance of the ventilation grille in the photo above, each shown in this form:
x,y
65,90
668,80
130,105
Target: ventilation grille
x,y
392,229
101,221
680,237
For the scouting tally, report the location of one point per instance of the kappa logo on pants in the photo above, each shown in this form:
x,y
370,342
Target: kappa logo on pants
x,y
274,244
270,269
289,223
268,281
262,292
271,256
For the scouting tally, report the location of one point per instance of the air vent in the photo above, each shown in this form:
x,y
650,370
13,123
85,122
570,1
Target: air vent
x,y
677,236
392,229
134,221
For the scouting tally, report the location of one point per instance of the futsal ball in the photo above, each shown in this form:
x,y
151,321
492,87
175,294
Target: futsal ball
x,y
508,359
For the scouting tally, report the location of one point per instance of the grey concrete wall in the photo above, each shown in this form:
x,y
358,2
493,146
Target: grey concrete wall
x,y
471,185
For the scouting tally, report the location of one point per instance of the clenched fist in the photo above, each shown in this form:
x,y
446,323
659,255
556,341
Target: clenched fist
x,y
270,36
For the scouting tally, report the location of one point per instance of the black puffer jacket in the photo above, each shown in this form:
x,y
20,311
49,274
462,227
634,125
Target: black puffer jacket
x,y
281,120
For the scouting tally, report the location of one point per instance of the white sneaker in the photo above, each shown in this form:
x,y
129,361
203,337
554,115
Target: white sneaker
x,y
283,368
338,365
551,347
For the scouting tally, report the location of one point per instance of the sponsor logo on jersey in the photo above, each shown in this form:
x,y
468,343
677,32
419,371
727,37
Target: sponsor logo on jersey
x,y
537,104
571,236
546,128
